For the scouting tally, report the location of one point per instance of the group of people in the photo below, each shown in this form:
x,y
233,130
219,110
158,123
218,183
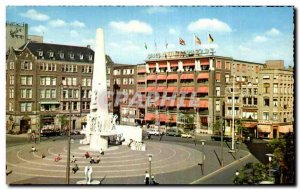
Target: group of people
x,y
87,155
149,181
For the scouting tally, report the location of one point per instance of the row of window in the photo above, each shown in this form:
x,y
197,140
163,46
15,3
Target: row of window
x,y
126,81
62,55
277,77
126,111
48,93
125,72
48,67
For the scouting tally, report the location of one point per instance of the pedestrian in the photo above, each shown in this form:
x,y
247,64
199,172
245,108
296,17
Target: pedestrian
x,y
87,155
92,161
147,178
43,155
33,149
57,158
75,168
101,152
98,159
153,181
73,159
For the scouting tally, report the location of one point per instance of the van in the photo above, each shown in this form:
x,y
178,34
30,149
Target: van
x,y
173,132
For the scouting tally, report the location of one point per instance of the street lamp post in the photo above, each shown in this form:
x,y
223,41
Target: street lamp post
x,y
203,156
270,162
150,174
233,110
69,145
237,173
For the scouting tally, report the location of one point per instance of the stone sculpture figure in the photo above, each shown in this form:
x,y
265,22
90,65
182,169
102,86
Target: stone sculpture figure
x,y
88,170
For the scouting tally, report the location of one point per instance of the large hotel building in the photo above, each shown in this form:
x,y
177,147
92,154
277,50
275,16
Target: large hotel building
x,y
186,89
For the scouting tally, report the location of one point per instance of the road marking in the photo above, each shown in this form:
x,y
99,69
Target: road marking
x,y
219,170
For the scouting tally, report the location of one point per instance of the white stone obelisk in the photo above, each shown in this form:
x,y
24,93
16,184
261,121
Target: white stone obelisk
x,y
100,123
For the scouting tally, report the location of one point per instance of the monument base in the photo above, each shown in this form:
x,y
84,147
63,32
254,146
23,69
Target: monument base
x,y
83,182
98,142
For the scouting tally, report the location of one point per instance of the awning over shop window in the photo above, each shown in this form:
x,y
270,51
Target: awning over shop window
x,y
204,62
141,70
171,119
172,89
163,65
161,89
264,128
285,128
141,81
250,125
189,63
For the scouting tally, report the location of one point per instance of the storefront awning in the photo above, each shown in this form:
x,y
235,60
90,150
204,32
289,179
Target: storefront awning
x,y
163,65
141,81
264,128
171,119
250,124
204,62
285,128
186,76
189,63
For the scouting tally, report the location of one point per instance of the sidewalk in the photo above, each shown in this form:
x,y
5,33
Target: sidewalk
x,y
23,135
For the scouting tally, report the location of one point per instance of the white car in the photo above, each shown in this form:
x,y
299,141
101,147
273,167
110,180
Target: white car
x,y
185,135
153,132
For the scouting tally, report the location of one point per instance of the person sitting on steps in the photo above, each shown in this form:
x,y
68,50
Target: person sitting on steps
x,y
73,159
75,169
87,155
98,160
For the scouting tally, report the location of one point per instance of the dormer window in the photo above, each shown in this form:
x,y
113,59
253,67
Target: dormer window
x,y
81,56
90,58
72,55
62,55
40,53
51,54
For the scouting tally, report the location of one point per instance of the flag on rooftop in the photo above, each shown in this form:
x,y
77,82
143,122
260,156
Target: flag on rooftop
x,y
210,38
181,42
197,40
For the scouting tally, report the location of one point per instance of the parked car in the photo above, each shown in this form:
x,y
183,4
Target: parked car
x,y
153,132
186,135
173,132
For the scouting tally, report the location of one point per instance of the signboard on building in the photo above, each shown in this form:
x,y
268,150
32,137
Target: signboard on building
x,y
188,53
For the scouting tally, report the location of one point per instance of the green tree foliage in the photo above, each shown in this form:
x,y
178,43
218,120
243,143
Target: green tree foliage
x,y
63,120
252,173
284,158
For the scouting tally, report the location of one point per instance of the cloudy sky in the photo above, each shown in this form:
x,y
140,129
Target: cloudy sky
x,y
246,33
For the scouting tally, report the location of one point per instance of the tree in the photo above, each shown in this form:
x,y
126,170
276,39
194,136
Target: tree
x,y
284,158
217,127
252,173
63,121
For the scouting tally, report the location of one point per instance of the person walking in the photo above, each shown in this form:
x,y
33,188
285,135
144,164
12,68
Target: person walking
x,y
73,159
75,168
147,178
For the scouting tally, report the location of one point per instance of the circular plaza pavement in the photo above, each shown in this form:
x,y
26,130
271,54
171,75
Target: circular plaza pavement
x,y
120,162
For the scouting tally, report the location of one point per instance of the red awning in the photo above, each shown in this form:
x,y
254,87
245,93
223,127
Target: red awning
x,y
163,65
172,77
152,65
187,89
203,104
189,63
202,89
187,76
174,64
204,62
141,80
186,103
172,89
161,77
151,89
141,70
151,77
162,117
203,76
161,89
149,116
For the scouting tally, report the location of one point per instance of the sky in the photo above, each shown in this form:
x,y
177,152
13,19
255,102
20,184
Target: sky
x,y
246,33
